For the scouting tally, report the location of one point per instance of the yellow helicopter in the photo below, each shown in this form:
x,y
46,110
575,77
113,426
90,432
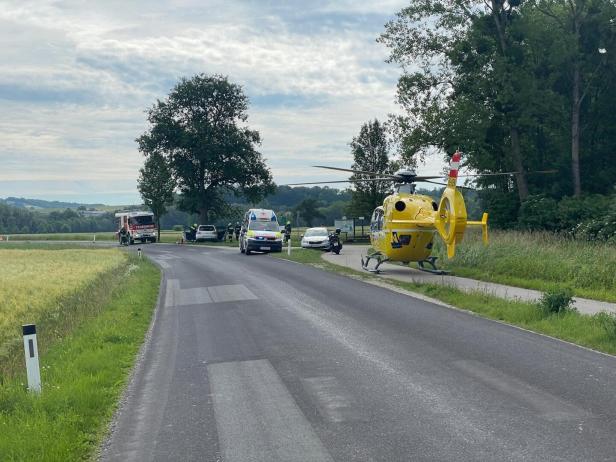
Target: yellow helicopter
x,y
403,228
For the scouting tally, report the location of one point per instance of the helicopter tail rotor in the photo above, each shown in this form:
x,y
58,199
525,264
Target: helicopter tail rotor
x,y
450,221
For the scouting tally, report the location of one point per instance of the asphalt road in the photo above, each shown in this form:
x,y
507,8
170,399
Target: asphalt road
x,y
257,359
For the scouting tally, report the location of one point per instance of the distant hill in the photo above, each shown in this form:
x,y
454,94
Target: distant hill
x,y
25,203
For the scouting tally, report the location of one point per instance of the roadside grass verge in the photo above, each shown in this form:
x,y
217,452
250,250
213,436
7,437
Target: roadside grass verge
x,y
83,374
541,261
597,332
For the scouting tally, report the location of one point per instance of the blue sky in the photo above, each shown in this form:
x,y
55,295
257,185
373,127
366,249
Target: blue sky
x,y
76,78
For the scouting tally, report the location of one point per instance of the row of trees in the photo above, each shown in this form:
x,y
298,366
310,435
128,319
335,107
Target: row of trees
x,y
15,220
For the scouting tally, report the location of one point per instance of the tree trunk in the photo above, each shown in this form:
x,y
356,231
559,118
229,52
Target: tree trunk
x,y
203,216
575,131
517,163
158,228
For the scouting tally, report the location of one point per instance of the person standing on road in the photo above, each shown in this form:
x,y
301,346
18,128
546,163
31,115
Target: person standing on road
x,y
123,235
230,231
237,231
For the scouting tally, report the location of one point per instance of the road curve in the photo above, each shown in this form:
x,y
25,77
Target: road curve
x,y
253,358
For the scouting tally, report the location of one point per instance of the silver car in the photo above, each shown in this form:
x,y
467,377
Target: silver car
x,y
315,238
206,233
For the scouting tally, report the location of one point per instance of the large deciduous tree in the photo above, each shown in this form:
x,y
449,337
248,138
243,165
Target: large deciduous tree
x,y
370,153
156,186
200,130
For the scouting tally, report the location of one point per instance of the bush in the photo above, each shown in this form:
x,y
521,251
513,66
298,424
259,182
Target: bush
x,y
572,214
575,210
598,229
539,212
502,207
178,228
608,322
557,301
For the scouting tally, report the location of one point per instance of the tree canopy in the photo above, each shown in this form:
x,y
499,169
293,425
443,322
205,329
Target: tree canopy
x,y
200,131
370,150
156,185
518,85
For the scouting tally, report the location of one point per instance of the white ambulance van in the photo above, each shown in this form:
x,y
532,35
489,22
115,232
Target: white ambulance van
x,y
260,232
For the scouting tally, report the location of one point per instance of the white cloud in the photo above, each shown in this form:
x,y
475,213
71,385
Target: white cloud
x,y
76,77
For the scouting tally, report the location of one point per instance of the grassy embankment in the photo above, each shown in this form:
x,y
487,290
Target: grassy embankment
x,y
92,308
597,332
540,261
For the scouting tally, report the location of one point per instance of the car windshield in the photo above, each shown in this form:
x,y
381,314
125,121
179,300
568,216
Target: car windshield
x,y
263,226
316,232
206,228
142,220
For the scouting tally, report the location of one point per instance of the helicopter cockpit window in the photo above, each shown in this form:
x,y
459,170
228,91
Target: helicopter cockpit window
x,y
408,188
380,223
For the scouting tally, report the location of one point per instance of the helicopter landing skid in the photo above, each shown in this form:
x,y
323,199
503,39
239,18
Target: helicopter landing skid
x,y
379,257
432,262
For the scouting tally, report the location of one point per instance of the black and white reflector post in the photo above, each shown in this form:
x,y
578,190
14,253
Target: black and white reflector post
x,y
139,252
32,360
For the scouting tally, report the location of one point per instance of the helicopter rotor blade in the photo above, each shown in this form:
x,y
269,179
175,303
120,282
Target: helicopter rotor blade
x,y
361,172
425,178
445,184
507,173
339,181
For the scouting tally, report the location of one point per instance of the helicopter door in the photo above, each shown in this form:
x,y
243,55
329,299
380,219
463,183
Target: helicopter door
x,y
376,222
376,226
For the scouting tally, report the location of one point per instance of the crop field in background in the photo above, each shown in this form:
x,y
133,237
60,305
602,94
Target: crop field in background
x,y
541,261
35,282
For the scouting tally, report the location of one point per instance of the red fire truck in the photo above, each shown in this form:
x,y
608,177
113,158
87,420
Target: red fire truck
x,y
139,226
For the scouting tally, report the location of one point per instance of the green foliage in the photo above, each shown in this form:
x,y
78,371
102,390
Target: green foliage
x,y
156,185
497,80
19,220
608,322
540,212
370,153
557,301
286,197
308,211
602,228
502,206
199,130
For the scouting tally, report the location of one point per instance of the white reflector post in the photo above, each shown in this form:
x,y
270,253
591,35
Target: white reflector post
x,y
32,360
139,252
289,246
